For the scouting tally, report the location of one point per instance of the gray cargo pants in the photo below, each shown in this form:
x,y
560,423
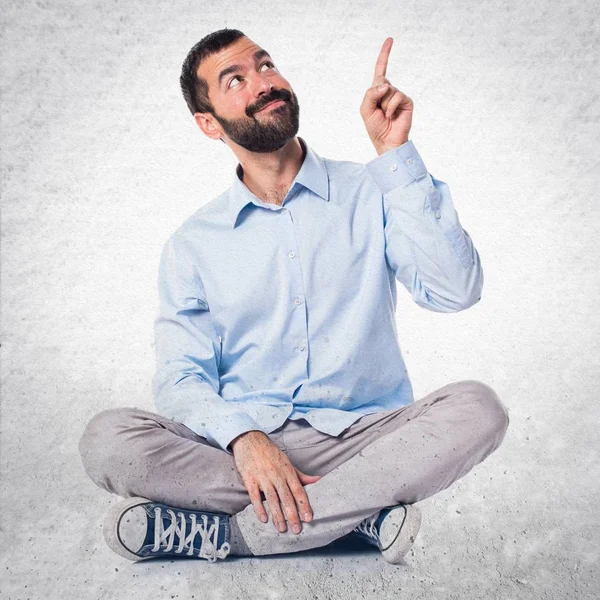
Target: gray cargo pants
x,y
383,459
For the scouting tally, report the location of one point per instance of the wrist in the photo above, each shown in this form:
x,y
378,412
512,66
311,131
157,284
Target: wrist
x,y
247,435
383,149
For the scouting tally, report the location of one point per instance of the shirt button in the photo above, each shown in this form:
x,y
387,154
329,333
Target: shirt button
x,y
437,214
393,167
291,254
302,348
409,161
297,301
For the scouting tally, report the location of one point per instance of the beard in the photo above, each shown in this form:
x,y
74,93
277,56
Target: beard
x,y
271,130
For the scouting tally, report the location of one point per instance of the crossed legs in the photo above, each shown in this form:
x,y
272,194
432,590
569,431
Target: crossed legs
x,y
394,457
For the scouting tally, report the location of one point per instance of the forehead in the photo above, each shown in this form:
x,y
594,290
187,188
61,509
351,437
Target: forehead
x,y
241,53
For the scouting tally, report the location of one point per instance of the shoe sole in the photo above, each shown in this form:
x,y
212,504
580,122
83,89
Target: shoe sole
x,y
111,527
408,520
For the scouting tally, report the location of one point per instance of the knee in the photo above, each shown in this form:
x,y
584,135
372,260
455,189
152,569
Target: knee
x,y
103,426
492,415
98,440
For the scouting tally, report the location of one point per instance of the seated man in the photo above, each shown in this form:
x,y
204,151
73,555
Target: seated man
x,y
279,376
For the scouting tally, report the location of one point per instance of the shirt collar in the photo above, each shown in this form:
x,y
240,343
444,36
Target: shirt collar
x,y
312,175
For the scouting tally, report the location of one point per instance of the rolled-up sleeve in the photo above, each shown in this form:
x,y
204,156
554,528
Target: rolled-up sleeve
x,y
186,381
425,245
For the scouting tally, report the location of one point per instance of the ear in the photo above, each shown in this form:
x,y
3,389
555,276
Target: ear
x,y
209,125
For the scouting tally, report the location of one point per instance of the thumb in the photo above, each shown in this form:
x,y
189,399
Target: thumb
x,y
304,478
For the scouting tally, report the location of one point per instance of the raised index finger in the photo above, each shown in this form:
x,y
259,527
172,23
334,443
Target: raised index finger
x,y
382,60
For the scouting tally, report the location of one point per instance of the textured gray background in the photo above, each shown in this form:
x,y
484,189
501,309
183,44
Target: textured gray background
x,y
101,162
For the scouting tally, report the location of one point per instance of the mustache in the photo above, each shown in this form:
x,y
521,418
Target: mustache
x,y
275,95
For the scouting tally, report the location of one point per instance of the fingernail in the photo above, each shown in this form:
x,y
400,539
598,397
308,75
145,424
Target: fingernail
x,y
306,516
382,87
296,528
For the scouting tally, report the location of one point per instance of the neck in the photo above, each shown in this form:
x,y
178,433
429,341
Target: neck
x,y
269,175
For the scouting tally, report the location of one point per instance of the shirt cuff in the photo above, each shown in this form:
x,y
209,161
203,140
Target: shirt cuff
x,y
397,167
227,429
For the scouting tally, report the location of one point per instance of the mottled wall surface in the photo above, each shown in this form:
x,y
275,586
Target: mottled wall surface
x,y
101,161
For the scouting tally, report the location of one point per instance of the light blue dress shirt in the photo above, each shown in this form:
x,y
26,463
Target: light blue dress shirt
x,y
271,312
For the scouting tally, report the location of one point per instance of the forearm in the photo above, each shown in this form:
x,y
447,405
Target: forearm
x,y
426,246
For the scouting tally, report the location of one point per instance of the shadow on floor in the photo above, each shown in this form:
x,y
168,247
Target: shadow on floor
x,y
344,546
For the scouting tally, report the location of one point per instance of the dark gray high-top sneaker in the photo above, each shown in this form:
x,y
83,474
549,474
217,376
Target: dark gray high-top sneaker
x,y
138,528
393,530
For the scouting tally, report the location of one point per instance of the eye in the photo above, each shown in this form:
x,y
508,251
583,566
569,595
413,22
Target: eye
x,y
267,62
234,77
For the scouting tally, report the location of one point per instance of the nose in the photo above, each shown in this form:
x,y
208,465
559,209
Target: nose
x,y
260,84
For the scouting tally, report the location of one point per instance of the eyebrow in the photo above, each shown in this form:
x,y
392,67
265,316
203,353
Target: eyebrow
x,y
233,68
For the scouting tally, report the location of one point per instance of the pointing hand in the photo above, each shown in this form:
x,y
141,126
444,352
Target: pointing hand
x,y
387,113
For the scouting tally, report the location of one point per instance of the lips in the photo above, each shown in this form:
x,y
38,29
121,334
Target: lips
x,y
271,105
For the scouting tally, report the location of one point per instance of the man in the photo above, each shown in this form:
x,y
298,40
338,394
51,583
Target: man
x,y
286,417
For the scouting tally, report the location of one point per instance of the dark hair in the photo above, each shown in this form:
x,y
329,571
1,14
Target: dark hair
x,y
193,87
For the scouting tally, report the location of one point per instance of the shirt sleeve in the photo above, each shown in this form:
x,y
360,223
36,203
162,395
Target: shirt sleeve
x,y
186,383
425,245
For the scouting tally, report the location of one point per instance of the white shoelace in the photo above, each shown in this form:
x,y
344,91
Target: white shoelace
x,y
208,547
368,528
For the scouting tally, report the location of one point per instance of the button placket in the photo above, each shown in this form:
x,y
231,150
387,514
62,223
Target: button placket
x,y
298,300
